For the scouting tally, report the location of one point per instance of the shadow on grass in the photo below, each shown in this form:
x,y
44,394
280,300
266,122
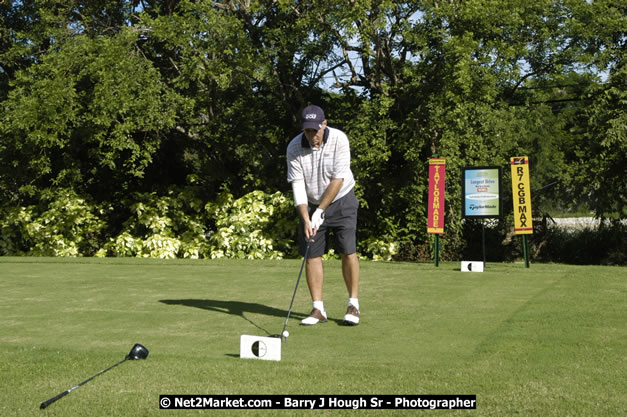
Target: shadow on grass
x,y
239,308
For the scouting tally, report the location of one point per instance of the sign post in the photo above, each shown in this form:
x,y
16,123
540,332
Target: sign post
x,y
435,221
521,196
481,195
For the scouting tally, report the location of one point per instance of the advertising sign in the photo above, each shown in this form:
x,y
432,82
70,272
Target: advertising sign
x,y
521,194
437,176
481,192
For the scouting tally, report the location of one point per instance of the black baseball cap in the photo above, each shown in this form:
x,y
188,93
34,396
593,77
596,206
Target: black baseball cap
x,y
312,117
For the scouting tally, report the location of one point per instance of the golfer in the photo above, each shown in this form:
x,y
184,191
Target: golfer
x,y
318,167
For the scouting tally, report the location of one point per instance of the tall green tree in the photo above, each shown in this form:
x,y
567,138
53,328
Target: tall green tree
x,y
90,116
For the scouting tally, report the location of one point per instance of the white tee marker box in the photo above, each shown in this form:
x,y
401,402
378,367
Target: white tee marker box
x,y
259,347
472,266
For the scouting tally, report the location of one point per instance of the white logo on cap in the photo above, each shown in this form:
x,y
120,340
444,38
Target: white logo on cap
x,y
310,116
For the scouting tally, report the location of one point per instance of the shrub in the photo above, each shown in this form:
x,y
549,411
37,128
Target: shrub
x,y
64,224
602,245
180,225
379,249
255,226
167,226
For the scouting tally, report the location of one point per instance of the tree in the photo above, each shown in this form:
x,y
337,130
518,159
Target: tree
x,y
110,97
599,160
89,116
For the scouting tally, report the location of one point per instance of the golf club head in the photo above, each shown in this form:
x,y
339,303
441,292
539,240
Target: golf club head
x,y
138,352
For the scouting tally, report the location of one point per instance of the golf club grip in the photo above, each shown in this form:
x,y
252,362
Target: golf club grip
x,y
53,399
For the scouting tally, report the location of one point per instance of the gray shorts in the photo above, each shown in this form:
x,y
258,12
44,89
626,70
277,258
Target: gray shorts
x,y
340,218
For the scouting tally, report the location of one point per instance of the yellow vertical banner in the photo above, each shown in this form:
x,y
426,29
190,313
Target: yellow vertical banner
x,y
521,194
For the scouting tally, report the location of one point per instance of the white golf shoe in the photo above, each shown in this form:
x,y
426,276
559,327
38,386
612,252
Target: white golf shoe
x,y
316,316
351,318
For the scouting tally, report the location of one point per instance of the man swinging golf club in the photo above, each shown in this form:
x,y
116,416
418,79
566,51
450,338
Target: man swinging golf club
x,y
318,167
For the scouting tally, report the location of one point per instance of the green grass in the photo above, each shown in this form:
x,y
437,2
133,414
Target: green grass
x,y
550,340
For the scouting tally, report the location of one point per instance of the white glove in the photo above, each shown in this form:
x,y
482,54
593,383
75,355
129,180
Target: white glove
x,y
317,218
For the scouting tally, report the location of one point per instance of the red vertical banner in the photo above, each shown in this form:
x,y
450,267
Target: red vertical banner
x,y
437,177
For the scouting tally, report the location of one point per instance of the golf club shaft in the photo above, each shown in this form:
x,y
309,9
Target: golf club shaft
x,y
64,393
289,311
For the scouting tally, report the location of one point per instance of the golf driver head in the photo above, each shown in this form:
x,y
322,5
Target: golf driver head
x,y
138,352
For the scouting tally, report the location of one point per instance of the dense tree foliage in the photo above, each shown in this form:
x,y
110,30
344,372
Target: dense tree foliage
x,y
110,97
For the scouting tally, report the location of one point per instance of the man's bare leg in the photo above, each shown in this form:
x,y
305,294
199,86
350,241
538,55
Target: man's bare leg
x,y
315,279
350,270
